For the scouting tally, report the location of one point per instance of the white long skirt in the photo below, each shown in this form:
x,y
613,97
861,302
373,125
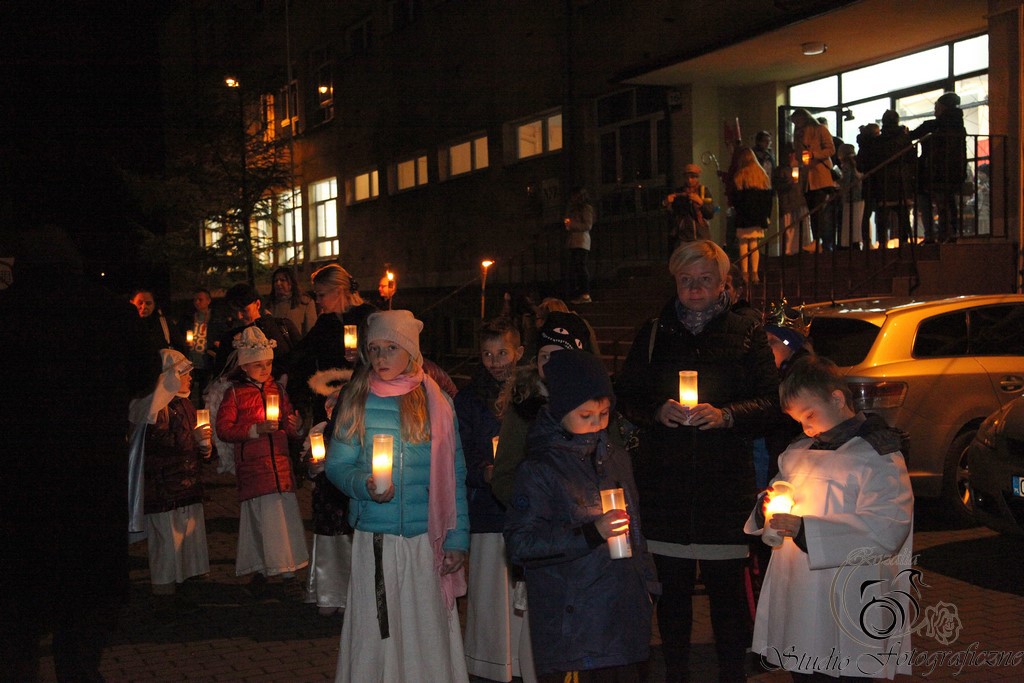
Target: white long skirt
x,y
176,542
330,569
425,642
497,635
271,539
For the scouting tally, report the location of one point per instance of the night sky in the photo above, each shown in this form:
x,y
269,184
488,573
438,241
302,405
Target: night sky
x,y
79,101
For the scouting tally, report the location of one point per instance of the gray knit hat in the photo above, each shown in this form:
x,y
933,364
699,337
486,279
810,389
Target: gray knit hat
x,y
401,327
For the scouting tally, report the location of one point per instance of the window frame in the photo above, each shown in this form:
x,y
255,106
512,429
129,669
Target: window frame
x,y
320,210
444,156
289,229
421,171
373,176
512,136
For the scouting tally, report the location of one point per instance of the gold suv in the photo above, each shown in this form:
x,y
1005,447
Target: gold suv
x,y
935,367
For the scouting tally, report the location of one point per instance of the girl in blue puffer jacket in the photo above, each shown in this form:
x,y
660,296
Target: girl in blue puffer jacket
x,y
588,611
412,534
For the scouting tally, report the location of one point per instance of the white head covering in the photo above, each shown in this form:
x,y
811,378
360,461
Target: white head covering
x,y
173,367
252,345
400,327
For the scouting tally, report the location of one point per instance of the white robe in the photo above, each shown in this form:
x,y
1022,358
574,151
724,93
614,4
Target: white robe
x,y
857,509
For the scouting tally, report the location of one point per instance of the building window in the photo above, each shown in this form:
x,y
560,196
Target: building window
x,y
362,187
289,227
359,37
213,232
323,86
410,173
463,157
268,117
288,107
538,136
263,231
632,138
324,215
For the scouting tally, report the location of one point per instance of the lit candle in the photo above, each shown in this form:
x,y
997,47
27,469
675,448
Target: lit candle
x,y
273,407
618,546
688,388
779,500
494,446
316,446
350,338
383,457
203,418
796,173
805,157
189,337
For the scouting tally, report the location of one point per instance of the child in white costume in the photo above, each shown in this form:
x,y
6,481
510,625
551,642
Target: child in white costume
x,y
836,599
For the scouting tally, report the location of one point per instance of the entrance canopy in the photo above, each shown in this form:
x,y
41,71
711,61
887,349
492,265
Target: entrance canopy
x,y
857,33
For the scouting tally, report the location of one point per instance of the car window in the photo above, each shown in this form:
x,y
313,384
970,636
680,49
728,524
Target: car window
x,y
997,330
942,336
846,341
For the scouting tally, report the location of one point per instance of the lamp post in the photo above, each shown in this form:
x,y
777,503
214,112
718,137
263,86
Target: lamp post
x,y
243,205
485,264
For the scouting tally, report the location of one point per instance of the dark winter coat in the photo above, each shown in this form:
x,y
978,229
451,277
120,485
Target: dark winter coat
x,y
477,426
322,348
587,611
172,462
262,464
695,485
942,166
893,183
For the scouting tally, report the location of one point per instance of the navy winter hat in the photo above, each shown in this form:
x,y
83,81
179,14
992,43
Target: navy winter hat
x,y
567,330
573,378
788,335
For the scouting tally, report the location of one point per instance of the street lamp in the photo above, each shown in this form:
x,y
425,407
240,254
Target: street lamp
x,y
483,287
243,207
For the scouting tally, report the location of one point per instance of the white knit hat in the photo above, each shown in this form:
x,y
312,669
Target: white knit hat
x,y
400,327
252,345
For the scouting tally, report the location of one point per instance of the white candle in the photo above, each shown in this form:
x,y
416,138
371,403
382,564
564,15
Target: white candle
x,y
273,407
202,417
618,546
383,458
189,336
351,339
494,446
316,446
688,388
780,500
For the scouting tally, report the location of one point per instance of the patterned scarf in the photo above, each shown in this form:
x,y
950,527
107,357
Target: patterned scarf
x,y
695,321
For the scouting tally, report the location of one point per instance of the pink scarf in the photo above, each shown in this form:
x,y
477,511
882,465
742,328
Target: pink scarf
x,y
441,499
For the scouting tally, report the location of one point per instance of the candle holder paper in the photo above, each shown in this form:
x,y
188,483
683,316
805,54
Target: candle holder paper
x,y
273,407
317,450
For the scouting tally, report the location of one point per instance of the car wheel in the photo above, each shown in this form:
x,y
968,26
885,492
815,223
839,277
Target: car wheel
x,y
957,498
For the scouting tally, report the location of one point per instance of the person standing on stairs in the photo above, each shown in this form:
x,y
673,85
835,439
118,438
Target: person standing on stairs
x,y
579,219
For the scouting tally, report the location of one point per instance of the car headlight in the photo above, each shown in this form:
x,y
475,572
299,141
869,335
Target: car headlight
x,y
875,395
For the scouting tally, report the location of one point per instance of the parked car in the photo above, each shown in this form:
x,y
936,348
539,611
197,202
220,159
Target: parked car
x,y
935,367
996,462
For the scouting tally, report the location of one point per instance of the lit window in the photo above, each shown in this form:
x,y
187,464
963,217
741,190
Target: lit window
x,y
289,227
288,101
362,187
464,157
970,55
263,231
213,231
411,173
324,214
267,117
538,136
895,74
823,92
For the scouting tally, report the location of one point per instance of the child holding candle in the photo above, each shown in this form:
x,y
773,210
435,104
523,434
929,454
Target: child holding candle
x,y
497,645
409,548
833,586
271,538
588,612
172,502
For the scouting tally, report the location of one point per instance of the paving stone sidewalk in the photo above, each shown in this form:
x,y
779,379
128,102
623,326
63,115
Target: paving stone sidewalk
x,y
235,637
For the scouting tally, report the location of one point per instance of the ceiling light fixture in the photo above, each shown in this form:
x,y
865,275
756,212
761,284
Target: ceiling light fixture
x,y
813,48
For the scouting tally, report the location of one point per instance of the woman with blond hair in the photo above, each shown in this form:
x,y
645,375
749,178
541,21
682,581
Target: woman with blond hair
x,y
752,200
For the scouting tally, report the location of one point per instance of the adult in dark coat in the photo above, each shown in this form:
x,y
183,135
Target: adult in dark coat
x,y
889,190
244,302
68,379
695,472
942,167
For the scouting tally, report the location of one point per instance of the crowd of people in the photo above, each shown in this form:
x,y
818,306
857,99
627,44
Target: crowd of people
x,y
833,195
567,506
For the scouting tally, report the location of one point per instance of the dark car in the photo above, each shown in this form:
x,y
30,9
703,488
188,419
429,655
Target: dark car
x,y
996,462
